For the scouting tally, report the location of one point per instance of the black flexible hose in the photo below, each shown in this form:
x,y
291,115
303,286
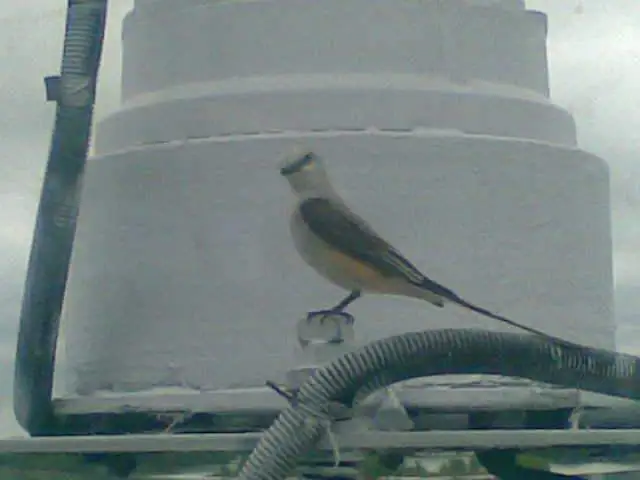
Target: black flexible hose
x,y
56,218
356,374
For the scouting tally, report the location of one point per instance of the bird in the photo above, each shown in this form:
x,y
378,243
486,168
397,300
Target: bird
x,y
344,249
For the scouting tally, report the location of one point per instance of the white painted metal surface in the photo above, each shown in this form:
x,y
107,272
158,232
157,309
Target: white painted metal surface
x,y
184,274
435,440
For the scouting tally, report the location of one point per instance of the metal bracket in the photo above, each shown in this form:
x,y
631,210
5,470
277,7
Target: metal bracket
x,y
52,87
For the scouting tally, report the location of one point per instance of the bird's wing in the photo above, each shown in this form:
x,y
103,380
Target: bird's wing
x,y
346,232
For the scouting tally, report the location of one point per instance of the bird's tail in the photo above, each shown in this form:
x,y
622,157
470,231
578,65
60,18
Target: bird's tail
x,y
437,294
487,313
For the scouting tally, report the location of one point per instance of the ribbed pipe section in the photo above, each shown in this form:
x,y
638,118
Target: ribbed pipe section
x,y
354,375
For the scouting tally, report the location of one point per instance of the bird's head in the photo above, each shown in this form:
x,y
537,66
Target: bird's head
x,y
305,172
299,162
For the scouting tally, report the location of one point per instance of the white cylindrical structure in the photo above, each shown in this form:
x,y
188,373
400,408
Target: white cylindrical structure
x,y
435,122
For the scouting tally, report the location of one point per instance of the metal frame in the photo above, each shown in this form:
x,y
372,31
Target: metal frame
x,y
349,440
565,452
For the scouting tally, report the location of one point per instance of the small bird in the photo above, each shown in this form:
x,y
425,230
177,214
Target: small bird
x,y
344,249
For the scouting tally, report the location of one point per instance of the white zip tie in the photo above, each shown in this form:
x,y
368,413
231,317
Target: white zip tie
x,y
333,441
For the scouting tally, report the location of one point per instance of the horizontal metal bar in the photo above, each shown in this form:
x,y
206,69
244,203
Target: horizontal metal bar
x,y
460,393
432,440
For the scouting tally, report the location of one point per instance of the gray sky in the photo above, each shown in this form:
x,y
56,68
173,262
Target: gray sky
x,y
594,63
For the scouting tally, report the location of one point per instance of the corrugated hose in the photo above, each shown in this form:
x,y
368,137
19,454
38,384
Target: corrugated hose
x,y
353,376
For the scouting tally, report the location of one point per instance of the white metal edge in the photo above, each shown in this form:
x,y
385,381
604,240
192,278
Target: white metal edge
x,y
459,440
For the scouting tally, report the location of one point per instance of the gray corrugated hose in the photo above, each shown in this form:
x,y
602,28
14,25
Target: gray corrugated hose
x,y
356,374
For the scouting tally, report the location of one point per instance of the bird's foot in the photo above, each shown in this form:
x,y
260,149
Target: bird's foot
x,y
324,314
321,314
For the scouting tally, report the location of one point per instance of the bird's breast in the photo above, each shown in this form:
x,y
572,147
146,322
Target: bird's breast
x,y
334,265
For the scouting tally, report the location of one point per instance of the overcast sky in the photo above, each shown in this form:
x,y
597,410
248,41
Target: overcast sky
x,y
594,58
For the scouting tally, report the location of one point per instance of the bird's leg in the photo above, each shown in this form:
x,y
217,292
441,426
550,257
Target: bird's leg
x,y
339,308
346,301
